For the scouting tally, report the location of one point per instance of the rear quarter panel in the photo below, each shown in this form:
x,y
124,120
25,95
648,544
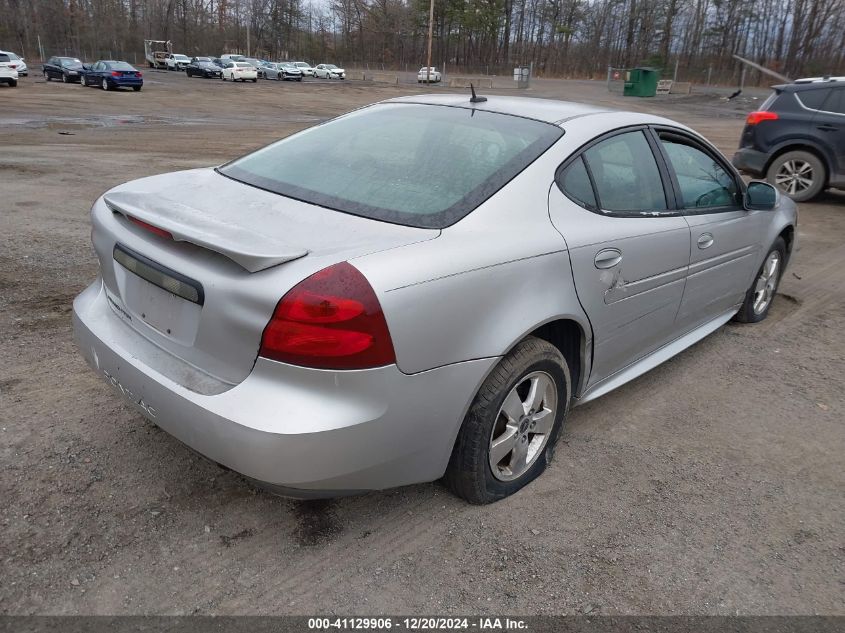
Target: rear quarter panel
x,y
485,283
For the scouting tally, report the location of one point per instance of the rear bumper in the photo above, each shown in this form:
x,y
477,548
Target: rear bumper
x,y
304,432
750,161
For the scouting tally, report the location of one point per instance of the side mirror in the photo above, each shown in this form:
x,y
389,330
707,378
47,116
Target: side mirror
x,y
760,196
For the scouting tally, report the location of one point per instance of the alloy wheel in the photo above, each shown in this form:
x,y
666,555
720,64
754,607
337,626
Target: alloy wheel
x,y
523,426
794,176
767,282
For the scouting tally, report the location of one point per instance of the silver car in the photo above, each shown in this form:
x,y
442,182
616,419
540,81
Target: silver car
x,y
421,288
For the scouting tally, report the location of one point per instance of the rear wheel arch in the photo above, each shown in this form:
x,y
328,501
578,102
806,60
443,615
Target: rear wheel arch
x,y
570,338
800,147
788,236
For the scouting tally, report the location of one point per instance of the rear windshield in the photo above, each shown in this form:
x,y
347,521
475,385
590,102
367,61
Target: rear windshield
x,y
4,58
770,100
411,164
119,66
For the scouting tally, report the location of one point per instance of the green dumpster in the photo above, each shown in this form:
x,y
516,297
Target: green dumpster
x,y
641,82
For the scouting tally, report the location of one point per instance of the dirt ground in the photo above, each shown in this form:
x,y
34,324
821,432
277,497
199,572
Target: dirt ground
x,y
711,485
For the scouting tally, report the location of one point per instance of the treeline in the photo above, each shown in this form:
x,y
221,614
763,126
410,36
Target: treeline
x,y
569,38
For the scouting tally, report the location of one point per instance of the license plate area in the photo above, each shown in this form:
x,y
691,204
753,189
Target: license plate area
x,y
158,297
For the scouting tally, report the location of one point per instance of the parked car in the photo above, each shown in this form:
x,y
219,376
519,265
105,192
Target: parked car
x,y
430,75
8,71
17,63
177,61
329,71
111,75
66,69
257,64
796,140
203,67
239,71
307,70
321,364
233,57
282,70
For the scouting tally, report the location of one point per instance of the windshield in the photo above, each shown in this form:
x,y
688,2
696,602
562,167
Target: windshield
x,y
71,63
12,56
181,57
332,66
412,164
302,65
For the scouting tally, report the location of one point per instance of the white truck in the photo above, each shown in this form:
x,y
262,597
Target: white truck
x,y
156,52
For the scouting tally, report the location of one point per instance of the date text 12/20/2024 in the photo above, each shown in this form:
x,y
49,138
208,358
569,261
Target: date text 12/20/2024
x,y
418,624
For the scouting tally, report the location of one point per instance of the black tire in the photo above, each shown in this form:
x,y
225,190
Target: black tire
x,y
64,78
254,80
137,88
105,85
815,169
469,473
13,83
47,76
748,313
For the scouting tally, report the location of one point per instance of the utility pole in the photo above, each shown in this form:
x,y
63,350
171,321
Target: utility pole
x,y
247,38
430,30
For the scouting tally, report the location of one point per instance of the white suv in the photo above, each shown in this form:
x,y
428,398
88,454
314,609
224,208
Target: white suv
x,y
8,72
17,63
177,61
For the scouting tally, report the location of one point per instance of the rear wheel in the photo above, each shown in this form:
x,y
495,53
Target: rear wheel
x,y
47,76
509,433
254,80
799,175
758,299
137,88
105,84
13,83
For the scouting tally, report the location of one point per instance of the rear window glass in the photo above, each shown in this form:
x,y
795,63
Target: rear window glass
x,y
4,58
119,66
813,99
769,101
412,164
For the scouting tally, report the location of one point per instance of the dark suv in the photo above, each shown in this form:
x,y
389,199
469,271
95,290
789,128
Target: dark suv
x,y
796,140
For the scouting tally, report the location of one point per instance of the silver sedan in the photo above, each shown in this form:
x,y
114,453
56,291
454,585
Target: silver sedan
x,y
421,288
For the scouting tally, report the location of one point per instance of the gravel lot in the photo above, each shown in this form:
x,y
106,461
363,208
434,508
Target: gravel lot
x,y
711,485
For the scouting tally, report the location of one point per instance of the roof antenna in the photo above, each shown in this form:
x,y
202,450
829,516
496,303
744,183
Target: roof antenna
x,y
475,98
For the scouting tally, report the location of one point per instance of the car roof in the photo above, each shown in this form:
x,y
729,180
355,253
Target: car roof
x,y
549,110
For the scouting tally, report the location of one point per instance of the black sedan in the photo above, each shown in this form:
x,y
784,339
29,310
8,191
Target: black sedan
x,y
203,67
65,69
110,75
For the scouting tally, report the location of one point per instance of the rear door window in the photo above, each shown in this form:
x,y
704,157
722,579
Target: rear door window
x,y
625,174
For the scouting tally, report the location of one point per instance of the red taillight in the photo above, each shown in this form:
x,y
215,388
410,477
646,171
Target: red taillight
x,y
331,320
152,229
757,117
139,74
114,73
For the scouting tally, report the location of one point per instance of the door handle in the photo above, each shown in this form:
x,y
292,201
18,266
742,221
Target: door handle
x,y
705,240
827,127
608,258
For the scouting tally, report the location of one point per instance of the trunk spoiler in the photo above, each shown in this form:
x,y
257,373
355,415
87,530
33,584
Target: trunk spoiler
x,y
251,249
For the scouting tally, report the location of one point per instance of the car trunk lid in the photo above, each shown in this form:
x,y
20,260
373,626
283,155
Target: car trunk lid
x,y
196,262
